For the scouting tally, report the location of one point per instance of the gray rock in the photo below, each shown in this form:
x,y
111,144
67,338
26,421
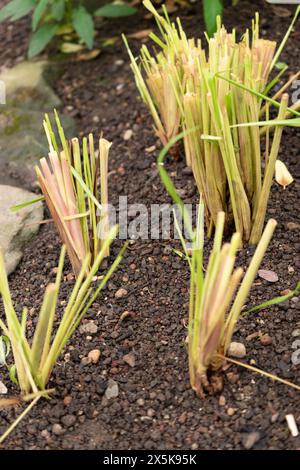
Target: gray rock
x,y
32,91
28,97
17,227
112,390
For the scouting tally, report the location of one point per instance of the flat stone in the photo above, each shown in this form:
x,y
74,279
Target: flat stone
x,y
27,88
28,96
17,228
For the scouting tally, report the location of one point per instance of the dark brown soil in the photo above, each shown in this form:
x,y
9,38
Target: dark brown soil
x,y
156,409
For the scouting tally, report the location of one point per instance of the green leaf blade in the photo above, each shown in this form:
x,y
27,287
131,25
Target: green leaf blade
x,y
84,26
41,38
115,11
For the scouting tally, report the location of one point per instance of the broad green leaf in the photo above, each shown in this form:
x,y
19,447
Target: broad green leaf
x,y
115,10
23,8
58,9
38,13
41,38
16,9
7,11
212,9
83,24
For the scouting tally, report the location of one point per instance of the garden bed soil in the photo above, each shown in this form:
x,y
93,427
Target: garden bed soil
x,y
155,407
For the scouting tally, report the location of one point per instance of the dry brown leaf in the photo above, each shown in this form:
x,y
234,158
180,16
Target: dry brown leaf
x,y
88,55
144,33
6,402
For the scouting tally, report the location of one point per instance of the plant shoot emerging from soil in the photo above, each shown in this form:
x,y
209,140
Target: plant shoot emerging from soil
x,y
77,202
34,360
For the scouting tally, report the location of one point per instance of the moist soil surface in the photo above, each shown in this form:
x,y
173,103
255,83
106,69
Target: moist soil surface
x,y
155,407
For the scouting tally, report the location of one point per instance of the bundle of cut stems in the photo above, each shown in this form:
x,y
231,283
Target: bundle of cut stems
x,y
35,359
221,96
69,180
216,299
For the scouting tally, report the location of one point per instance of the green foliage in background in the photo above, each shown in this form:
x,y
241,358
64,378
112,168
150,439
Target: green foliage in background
x,y
56,17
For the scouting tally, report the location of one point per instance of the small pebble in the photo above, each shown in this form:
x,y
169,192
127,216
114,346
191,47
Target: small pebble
x,y
266,340
89,327
121,293
231,411
68,420
250,439
237,350
112,390
129,359
292,226
3,389
45,434
94,356
57,429
296,332
127,134
222,400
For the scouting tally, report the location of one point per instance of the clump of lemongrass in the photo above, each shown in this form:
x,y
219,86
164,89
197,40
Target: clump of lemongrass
x,y
35,360
69,180
216,299
217,293
221,95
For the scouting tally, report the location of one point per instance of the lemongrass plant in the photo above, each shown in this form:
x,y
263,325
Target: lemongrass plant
x,y
69,180
34,360
220,94
218,292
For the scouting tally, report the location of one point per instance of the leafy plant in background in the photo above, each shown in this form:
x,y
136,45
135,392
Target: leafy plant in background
x,y
34,360
74,182
52,18
211,10
217,292
222,96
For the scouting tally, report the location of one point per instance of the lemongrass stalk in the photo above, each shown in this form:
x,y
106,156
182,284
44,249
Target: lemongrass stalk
x,y
104,147
247,282
260,207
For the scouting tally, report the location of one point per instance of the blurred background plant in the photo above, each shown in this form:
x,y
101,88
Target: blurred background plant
x,y
57,18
